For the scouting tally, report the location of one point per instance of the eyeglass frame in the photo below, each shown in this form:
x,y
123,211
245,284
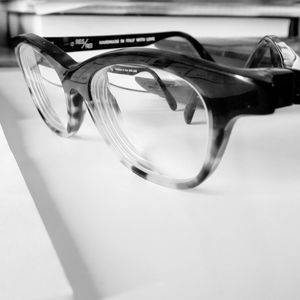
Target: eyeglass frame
x,y
229,93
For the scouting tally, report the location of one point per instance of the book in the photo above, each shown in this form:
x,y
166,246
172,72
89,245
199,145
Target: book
x,y
114,17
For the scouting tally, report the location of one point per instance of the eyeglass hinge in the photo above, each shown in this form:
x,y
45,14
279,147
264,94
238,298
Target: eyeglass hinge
x,y
284,89
297,88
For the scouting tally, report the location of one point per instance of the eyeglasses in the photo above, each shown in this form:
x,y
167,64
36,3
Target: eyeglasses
x,y
168,109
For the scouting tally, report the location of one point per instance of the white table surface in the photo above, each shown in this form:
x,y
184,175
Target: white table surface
x,y
120,237
30,268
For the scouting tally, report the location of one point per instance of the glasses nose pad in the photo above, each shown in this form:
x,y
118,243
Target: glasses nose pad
x,y
76,111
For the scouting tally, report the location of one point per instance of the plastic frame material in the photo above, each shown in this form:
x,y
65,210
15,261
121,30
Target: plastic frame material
x,y
228,93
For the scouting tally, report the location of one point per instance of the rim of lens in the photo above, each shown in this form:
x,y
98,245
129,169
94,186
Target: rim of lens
x,y
37,89
132,159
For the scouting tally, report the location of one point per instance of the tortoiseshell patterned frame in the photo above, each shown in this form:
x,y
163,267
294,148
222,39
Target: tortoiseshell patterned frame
x,y
228,93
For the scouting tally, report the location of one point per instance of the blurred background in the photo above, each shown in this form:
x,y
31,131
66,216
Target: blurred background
x,y
214,19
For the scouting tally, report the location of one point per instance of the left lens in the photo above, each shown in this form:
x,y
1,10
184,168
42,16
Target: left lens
x,y
46,88
156,120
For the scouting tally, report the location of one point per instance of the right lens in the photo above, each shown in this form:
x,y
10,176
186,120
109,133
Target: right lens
x,y
156,120
46,88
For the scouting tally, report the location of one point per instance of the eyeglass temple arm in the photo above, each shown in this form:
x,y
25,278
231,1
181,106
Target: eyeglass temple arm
x,y
87,43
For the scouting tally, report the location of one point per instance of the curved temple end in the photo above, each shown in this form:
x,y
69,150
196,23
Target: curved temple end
x,y
159,88
191,100
170,99
190,108
148,84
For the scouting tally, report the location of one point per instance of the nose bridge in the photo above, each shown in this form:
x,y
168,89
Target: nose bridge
x,y
76,88
79,78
